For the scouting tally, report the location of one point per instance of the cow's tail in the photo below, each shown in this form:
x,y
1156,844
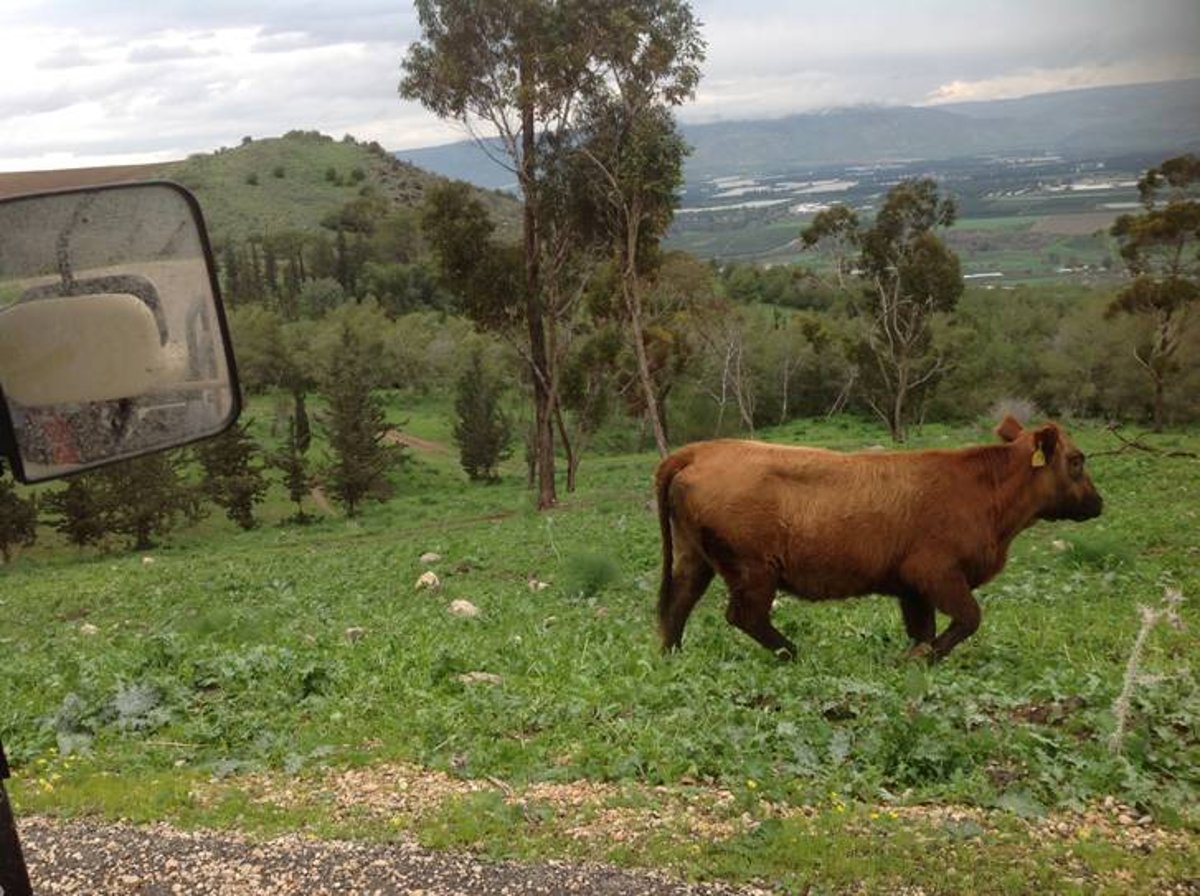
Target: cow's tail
x,y
663,476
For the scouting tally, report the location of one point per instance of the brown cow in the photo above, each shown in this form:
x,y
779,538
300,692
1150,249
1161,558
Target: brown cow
x,y
925,526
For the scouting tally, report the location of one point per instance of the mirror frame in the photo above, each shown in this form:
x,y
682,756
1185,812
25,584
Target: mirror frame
x,y
8,442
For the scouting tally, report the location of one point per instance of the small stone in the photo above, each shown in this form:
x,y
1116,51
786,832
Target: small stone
x,y
480,678
429,580
88,629
355,633
464,608
430,557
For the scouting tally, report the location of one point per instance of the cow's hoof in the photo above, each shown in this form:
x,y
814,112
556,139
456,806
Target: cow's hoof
x,y
922,651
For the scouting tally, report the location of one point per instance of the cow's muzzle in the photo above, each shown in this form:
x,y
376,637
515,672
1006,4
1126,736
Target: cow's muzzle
x,y
1089,508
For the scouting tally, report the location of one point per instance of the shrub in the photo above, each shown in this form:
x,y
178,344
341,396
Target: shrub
x,y
18,520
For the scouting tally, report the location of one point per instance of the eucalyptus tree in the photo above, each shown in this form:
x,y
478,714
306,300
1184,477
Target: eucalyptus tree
x,y
650,53
908,276
638,154
514,68
1161,250
524,70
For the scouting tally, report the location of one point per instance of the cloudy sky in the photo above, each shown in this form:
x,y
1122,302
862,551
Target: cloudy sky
x,y
101,82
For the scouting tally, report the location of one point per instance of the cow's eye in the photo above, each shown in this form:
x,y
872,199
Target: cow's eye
x,y
1075,465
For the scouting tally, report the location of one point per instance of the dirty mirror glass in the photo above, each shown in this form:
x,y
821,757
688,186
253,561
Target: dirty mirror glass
x,y
112,338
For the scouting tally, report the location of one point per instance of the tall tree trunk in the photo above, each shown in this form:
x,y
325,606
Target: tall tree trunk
x,y
899,399
303,435
568,446
633,304
1159,403
543,436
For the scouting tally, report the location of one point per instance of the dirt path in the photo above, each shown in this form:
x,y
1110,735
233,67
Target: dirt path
x,y
90,857
95,856
408,440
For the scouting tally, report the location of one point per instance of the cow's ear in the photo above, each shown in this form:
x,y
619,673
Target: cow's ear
x,y
1009,429
1045,443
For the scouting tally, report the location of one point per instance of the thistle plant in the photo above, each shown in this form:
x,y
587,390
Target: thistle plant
x,y
1151,616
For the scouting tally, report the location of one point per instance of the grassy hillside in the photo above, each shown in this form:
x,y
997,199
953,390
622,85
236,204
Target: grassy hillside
x,y
295,678
276,184
293,182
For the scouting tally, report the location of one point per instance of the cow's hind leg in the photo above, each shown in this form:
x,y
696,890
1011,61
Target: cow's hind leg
x,y
691,574
750,610
751,594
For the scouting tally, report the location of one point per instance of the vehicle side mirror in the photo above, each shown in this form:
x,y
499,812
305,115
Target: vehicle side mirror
x,y
113,341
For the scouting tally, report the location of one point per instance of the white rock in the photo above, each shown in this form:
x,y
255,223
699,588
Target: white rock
x,y
430,557
355,633
88,629
480,678
536,585
464,608
429,580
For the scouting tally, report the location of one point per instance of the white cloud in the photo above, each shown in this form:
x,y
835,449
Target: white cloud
x,y
1034,81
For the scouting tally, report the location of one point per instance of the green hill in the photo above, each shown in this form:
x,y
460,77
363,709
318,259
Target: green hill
x,y
288,183
296,181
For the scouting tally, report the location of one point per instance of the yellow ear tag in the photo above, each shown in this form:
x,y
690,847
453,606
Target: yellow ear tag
x,y
1039,458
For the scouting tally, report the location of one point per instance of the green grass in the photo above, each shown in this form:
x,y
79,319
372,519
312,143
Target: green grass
x,y
300,651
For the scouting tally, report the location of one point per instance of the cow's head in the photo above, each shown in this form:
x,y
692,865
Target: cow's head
x,y
1056,468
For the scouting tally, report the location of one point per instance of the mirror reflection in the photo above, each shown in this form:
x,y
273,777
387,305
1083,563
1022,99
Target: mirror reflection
x,y
112,341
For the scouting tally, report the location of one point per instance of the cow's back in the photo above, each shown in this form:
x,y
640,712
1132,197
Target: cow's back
x,y
926,526
829,524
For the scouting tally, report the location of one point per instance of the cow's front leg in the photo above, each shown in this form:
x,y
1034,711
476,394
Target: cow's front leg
x,y
947,591
919,622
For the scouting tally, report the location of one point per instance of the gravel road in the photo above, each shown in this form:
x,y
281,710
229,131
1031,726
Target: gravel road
x,y
90,857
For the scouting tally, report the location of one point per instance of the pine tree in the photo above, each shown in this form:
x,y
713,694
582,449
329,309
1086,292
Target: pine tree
x,y
18,520
79,514
356,427
482,432
143,498
233,479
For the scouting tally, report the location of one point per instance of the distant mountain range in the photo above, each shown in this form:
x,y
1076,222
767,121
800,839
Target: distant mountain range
x,y
1161,118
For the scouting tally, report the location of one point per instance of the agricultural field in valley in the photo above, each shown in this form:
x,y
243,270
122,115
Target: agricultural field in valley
x,y
1020,219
